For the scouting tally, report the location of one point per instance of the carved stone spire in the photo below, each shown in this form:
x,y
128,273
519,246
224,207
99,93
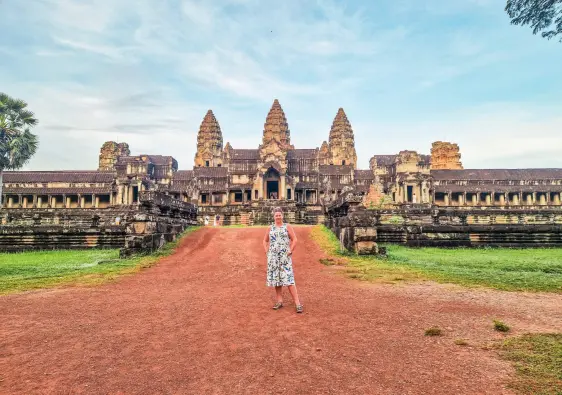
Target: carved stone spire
x,y
110,152
324,154
445,155
209,142
341,142
276,127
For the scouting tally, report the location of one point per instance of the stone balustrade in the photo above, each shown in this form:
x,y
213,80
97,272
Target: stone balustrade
x,y
362,230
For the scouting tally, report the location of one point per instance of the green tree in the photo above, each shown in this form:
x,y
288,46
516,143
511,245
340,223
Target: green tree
x,y
17,143
539,14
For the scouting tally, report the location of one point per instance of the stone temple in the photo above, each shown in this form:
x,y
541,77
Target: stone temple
x,y
242,185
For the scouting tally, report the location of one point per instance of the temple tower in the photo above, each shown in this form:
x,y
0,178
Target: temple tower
x,y
276,127
271,180
445,156
324,154
109,153
209,143
341,142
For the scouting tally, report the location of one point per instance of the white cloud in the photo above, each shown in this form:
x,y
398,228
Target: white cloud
x,y
489,135
146,72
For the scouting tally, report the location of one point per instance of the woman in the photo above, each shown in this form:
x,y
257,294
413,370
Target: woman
x,y
279,243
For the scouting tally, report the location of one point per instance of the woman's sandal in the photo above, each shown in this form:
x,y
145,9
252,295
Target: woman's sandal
x,y
277,306
299,308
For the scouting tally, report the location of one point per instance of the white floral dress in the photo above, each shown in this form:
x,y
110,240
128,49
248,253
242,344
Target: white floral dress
x,y
279,264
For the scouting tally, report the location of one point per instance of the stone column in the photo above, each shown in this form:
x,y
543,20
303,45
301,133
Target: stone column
x,y
282,192
488,199
97,201
446,199
534,197
542,199
556,199
24,204
529,199
119,194
10,202
39,201
502,199
20,201
475,199
53,201
516,200
130,194
64,201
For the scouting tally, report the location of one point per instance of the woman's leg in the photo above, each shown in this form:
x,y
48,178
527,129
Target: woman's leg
x,y
279,294
294,294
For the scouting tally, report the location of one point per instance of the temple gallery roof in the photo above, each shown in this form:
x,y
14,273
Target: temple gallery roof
x,y
183,175
244,154
364,175
332,170
210,172
58,176
302,154
498,174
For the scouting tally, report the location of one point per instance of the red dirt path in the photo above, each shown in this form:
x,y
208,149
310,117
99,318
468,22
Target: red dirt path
x,y
201,322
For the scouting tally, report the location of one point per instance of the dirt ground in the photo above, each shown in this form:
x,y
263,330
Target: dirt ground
x,y
200,322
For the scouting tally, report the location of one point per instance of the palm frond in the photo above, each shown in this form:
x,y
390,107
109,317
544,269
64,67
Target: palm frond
x,y
17,143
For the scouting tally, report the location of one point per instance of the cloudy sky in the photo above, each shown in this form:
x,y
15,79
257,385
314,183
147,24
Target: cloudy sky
x,y
407,72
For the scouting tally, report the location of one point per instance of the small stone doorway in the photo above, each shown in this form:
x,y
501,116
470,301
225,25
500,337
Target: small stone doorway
x,y
271,184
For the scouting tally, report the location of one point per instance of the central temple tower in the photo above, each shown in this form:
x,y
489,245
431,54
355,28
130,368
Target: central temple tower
x,y
272,166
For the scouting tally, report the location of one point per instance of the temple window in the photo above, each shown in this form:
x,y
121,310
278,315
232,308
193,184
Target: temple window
x,y
206,163
439,197
238,197
289,194
343,162
104,201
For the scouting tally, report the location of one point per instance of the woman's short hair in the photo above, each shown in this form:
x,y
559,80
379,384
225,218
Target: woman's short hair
x,y
277,210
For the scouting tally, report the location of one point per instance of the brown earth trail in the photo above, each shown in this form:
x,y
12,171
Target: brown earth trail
x,y
200,322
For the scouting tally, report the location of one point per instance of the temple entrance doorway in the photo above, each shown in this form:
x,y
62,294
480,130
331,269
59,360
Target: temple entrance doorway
x,y
271,184
273,189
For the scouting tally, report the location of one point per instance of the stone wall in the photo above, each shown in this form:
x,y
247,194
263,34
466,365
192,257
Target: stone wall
x,y
362,230
260,213
135,228
159,219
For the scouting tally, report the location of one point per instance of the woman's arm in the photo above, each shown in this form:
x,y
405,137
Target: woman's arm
x,y
266,241
293,238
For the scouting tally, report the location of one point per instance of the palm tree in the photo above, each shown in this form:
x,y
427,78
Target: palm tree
x,y
17,143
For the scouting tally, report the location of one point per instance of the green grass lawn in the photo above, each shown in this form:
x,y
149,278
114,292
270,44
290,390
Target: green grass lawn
x,y
44,269
538,363
508,269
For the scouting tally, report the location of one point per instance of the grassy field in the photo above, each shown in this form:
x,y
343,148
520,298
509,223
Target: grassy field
x,y
538,363
506,269
44,269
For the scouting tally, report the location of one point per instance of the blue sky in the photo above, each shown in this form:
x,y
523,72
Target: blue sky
x,y
407,72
